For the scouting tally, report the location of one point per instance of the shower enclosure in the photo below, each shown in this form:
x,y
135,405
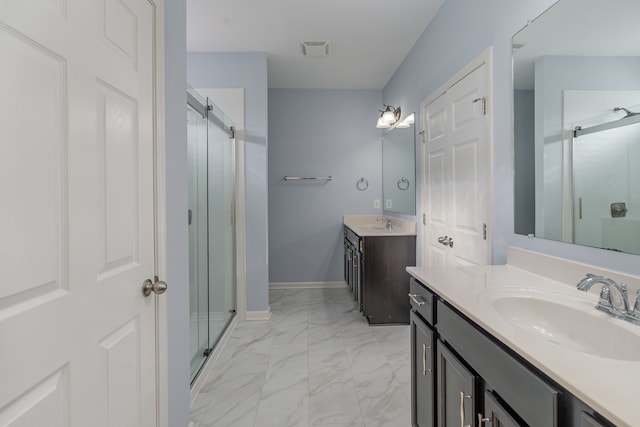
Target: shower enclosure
x,y
211,219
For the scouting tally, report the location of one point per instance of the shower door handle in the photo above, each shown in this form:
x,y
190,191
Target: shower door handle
x,y
158,287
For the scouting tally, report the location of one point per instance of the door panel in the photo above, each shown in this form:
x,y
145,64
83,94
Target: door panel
x,y
46,400
120,362
469,139
436,158
117,178
457,178
78,337
35,211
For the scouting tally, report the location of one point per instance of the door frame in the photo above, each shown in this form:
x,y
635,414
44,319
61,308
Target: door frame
x,y
161,306
484,58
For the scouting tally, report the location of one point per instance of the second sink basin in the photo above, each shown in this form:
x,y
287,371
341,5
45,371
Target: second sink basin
x,y
566,321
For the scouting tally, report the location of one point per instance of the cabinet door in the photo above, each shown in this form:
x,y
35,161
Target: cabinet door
x,y
422,373
495,415
456,390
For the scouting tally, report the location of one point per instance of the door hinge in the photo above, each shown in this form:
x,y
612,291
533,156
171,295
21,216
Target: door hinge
x,y
424,219
484,104
422,136
484,231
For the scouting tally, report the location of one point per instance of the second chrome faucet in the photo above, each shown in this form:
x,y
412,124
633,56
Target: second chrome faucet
x,y
613,297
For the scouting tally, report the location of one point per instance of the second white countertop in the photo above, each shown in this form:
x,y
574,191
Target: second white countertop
x,y
374,225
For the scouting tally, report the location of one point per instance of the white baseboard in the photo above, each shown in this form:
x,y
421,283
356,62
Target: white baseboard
x,y
307,285
258,315
213,357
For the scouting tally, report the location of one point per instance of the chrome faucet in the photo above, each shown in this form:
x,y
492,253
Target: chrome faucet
x,y
387,224
613,297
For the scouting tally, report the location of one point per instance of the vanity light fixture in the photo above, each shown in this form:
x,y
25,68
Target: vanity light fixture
x,y
407,121
388,117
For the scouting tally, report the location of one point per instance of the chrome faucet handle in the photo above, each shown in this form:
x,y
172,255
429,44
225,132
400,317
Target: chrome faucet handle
x,y
622,287
624,292
633,314
606,300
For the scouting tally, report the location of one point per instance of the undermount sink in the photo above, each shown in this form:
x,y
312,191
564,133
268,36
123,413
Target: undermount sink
x,y
566,321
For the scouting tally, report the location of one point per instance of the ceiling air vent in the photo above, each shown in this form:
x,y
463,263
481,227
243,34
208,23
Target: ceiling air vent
x,y
320,48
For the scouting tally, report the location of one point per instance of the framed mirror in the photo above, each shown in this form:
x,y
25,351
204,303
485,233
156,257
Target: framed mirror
x,y
576,81
398,169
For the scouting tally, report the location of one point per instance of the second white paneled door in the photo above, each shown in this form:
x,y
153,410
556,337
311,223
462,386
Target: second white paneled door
x,y
456,173
78,339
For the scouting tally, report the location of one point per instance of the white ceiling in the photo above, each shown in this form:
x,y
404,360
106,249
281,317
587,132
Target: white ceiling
x,y
368,39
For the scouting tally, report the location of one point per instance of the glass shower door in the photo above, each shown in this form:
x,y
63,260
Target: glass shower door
x,y
221,155
198,248
211,215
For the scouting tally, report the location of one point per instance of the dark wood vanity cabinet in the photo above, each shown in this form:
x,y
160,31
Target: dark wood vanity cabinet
x,y
379,280
476,380
385,279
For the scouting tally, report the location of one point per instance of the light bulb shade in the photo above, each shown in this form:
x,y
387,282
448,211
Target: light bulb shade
x,y
408,121
388,116
381,124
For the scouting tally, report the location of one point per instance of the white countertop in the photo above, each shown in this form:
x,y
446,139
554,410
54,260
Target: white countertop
x,y
609,386
374,225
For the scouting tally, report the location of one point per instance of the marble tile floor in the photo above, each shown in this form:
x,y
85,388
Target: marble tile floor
x,y
317,362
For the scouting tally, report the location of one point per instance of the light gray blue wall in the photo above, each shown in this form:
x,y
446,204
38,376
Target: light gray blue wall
x,y
319,133
248,71
458,33
177,296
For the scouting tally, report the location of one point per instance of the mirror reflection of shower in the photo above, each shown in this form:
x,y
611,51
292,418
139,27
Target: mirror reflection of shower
x,y
606,180
212,278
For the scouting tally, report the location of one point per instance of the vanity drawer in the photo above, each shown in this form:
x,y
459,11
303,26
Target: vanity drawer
x,y
422,300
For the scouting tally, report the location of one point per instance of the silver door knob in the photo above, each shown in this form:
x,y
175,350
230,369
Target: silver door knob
x,y
158,287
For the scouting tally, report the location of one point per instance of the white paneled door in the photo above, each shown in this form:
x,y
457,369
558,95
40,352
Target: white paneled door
x,y
77,336
457,168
